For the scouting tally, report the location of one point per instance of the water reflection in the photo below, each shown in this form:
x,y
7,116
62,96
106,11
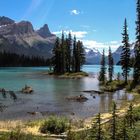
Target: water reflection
x,y
50,94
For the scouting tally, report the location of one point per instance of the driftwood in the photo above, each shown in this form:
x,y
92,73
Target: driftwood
x,y
93,91
32,113
80,98
4,93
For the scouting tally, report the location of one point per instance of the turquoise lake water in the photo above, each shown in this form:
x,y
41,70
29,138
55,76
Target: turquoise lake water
x,y
50,94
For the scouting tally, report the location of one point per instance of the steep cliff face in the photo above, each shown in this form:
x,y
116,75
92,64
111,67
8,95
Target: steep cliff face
x,y
21,38
45,32
5,21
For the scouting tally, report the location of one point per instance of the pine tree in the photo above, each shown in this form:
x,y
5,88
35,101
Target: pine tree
x,y
99,134
74,55
102,73
96,130
110,65
124,130
80,56
125,55
57,56
68,53
136,75
130,116
114,128
63,64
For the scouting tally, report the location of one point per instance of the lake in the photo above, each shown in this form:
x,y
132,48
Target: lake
x,y
50,94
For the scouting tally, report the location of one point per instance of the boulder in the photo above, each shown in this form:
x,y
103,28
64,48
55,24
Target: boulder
x,y
27,89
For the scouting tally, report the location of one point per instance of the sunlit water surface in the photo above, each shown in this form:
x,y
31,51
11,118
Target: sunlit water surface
x,y
50,94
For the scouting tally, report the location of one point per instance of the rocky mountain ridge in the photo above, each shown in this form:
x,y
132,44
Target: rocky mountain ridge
x,y
21,38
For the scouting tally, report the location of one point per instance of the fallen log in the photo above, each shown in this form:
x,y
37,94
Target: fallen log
x,y
93,91
80,98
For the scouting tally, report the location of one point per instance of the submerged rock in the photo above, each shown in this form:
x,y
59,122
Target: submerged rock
x,y
27,89
80,98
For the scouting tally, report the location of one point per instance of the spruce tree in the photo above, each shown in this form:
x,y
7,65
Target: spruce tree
x,y
80,56
114,128
74,54
99,134
68,53
63,64
102,74
136,75
130,117
57,57
110,65
125,55
96,130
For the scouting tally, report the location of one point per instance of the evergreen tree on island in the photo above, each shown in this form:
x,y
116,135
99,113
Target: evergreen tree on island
x,y
68,57
63,56
74,54
57,56
68,53
136,75
102,74
80,56
110,65
125,55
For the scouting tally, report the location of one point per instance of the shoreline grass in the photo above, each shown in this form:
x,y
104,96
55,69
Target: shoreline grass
x,y
68,75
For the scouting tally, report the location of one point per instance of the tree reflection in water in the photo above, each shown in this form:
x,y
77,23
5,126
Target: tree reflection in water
x,y
5,94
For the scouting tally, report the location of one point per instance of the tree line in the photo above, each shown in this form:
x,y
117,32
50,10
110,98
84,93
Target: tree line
x,y
125,60
8,59
68,55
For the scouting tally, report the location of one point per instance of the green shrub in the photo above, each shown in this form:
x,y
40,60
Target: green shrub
x,y
54,125
18,135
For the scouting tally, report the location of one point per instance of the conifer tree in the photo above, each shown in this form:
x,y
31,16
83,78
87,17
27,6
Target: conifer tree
x,y
62,54
124,131
114,128
57,56
110,65
96,130
80,56
136,75
74,55
99,134
65,60
125,55
130,117
102,74
68,53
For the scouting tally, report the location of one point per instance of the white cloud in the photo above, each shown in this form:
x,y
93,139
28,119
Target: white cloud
x,y
74,12
90,44
78,34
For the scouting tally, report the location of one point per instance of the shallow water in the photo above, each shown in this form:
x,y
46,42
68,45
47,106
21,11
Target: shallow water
x,y
50,93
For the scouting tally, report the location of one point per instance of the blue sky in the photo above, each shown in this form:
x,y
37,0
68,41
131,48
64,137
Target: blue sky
x,y
98,23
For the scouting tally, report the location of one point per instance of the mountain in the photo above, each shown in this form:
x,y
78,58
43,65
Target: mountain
x,y
93,56
45,32
117,53
5,21
21,38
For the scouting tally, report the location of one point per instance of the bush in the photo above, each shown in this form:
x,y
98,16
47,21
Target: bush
x,y
54,125
18,135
